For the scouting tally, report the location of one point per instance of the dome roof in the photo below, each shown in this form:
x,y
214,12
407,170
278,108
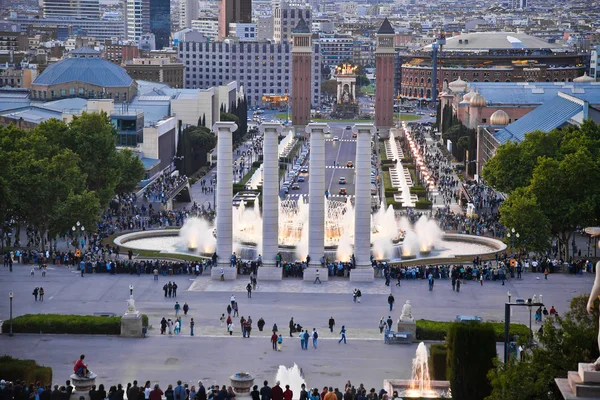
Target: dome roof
x,y
94,71
584,78
469,95
478,101
499,117
458,85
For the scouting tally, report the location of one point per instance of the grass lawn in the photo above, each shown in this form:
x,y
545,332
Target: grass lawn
x,y
282,116
387,181
407,117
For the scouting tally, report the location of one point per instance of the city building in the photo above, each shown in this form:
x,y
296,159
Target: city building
x,y
286,16
84,9
233,11
517,4
594,62
120,52
13,41
156,70
17,76
188,11
84,74
209,27
160,22
336,49
264,27
262,68
98,28
490,57
147,42
138,19
244,32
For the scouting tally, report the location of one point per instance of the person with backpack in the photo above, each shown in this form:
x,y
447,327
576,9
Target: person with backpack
x,y
315,337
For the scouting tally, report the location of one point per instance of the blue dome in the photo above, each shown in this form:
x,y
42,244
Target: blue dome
x,y
94,71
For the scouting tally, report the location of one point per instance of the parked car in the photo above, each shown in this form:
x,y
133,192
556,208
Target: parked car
x,y
342,180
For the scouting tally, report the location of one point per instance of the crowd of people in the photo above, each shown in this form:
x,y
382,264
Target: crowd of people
x,y
160,189
20,390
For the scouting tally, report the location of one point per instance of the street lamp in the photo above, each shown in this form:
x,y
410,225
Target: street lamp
x,y
10,296
509,296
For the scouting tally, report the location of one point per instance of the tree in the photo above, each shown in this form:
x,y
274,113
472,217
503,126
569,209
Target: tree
x,y
329,89
522,212
203,120
563,343
194,145
471,351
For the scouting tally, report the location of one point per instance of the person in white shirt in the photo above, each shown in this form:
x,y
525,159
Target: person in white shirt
x,y
315,337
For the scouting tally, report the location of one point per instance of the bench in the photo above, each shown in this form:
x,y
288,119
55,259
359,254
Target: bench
x,y
400,337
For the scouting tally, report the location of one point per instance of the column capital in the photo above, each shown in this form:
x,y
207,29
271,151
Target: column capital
x,y
224,126
364,128
320,127
270,127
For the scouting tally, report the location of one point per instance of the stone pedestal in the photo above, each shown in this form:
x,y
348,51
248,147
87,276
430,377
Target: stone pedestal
x,y
581,385
270,201
224,220
316,198
362,205
241,383
83,384
131,325
269,273
230,273
407,326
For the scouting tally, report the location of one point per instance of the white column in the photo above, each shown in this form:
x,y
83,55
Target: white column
x,y
224,131
270,202
363,271
316,200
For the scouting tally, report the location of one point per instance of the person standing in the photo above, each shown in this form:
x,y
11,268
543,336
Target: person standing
x,y
82,268
255,394
180,392
170,289
279,342
277,392
163,326
292,326
186,308
358,295
389,322
391,301
236,311
229,309
166,289
35,293
156,394
303,392
177,308
155,272
354,295
430,277
265,391
230,328
331,324
343,333
287,393
274,341
315,337
249,290
546,273
481,279
301,336
174,289
133,391
41,293
222,274
192,327
317,279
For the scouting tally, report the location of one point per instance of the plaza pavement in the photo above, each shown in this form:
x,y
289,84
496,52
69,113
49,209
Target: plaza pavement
x,y
212,354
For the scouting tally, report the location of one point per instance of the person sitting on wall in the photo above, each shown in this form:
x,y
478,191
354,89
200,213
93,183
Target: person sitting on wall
x,y
80,368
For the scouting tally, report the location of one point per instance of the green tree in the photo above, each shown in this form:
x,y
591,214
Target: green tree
x,y
471,354
329,89
522,212
564,342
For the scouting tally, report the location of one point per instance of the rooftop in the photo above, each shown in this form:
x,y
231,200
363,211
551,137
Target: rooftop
x,y
95,71
522,93
386,28
494,41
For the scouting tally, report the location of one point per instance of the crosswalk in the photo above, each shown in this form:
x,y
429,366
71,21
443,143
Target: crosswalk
x,y
338,167
340,140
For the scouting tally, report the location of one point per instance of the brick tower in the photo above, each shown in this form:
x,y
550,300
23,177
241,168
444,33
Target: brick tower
x,y
301,74
384,76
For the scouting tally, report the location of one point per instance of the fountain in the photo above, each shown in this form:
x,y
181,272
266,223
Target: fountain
x,y
291,376
420,385
393,239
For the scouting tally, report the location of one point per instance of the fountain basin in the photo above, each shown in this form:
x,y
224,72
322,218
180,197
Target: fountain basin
x,y
450,249
439,389
241,382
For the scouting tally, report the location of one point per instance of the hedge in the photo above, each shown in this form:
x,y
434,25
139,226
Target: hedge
x,y
69,324
423,204
12,369
437,361
256,164
471,354
437,330
385,167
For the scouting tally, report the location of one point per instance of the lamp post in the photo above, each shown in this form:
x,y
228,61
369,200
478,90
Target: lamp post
x,y
509,296
10,296
76,229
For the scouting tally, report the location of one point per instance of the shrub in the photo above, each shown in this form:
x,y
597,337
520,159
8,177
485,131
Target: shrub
x,y
471,354
423,204
407,160
437,361
68,324
438,330
12,369
385,167
390,192
256,164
